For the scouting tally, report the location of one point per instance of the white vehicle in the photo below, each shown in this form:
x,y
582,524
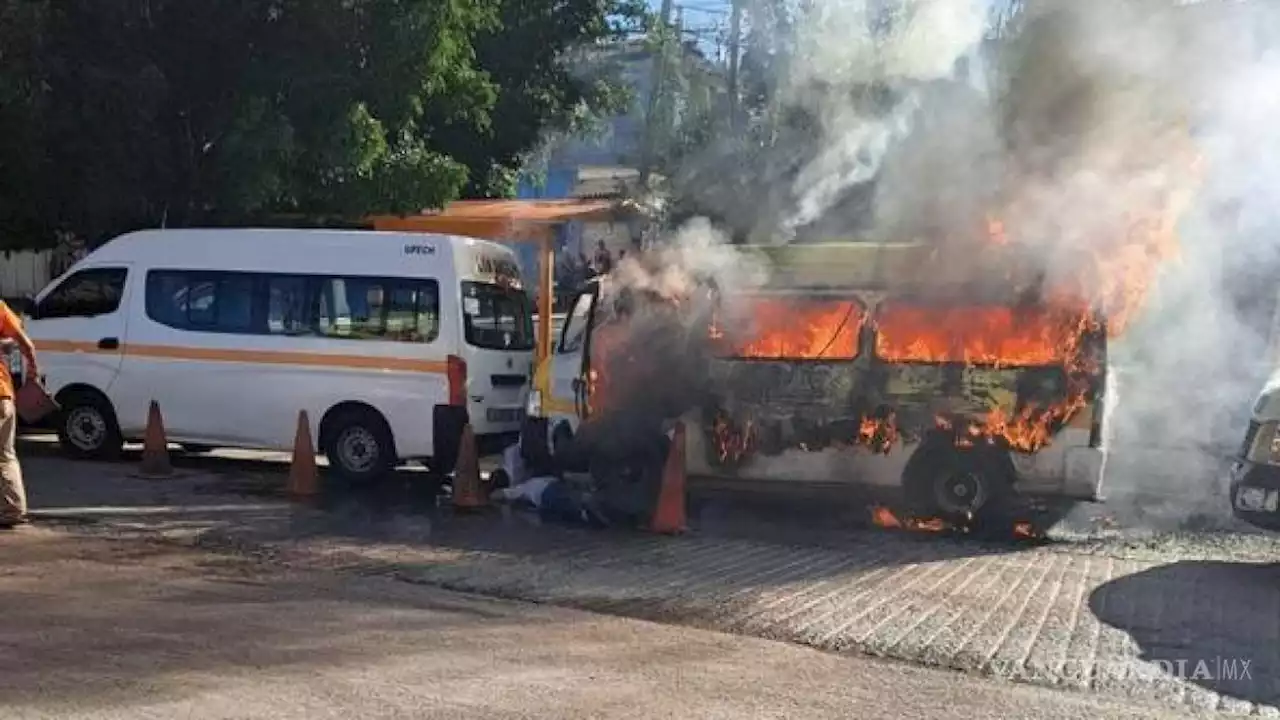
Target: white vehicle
x,y
383,338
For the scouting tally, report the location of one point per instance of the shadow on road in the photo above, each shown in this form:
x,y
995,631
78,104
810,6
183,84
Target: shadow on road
x,y
94,624
1214,624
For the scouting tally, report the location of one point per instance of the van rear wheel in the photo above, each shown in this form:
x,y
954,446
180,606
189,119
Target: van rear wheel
x,y
359,446
87,427
961,486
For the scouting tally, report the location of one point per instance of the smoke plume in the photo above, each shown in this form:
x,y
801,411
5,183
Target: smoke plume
x,y
1126,147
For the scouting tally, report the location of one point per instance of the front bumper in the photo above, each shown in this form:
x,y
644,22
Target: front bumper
x,y
1255,494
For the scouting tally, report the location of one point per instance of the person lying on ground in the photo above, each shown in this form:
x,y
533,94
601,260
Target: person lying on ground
x,y
555,500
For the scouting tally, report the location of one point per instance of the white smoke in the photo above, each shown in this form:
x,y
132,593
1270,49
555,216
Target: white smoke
x,y
848,47
1136,92
696,255
1092,118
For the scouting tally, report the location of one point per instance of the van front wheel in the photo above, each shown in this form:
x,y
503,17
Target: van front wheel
x,y
359,446
87,427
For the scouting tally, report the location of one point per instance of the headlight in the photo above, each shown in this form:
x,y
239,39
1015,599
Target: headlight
x,y
533,404
1265,448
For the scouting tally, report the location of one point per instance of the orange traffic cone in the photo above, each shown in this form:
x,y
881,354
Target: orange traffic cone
x,y
467,492
304,480
155,448
669,513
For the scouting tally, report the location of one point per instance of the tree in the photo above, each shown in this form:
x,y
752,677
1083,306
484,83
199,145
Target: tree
x,y
120,114
539,55
21,161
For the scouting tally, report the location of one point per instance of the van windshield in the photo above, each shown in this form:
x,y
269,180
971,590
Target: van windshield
x,y
496,317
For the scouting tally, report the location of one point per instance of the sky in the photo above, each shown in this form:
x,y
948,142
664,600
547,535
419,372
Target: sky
x,y
707,21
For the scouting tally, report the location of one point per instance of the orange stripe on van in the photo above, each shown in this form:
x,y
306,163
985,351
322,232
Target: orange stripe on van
x,y
68,346
265,357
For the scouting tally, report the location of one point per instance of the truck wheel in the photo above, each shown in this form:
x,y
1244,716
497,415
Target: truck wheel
x,y
87,427
359,446
954,484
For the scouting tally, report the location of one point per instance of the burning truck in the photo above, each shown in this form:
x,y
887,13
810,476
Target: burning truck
x,y
852,366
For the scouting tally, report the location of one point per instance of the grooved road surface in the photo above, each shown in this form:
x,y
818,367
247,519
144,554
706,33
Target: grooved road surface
x,y
1196,632
123,629
1191,620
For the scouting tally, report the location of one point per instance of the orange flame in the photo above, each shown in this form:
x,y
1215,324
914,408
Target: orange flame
x,y
879,434
978,335
928,524
1116,272
798,329
732,442
884,517
997,336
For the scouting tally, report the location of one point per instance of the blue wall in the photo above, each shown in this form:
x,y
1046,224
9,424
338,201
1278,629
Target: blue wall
x,y
558,183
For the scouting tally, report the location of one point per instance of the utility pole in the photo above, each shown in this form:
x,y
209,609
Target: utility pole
x,y
655,94
735,32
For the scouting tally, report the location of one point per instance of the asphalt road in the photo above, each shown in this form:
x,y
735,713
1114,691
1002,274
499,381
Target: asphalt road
x,y
1119,613
103,627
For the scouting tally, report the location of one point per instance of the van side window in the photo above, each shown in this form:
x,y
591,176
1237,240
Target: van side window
x,y
90,292
209,302
288,312
356,308
575,327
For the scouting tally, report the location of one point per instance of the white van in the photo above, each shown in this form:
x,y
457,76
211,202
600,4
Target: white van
x,y
389,341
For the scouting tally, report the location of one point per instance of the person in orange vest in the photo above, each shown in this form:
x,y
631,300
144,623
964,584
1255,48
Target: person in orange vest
x,y
13,496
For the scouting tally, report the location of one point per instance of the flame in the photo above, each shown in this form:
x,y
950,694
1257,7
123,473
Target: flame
x,y
995,335
928,524
1031,428
797,329
879,434
1115,272
732,442
884,517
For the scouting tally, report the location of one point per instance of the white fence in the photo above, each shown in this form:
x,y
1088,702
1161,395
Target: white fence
x,y
24,272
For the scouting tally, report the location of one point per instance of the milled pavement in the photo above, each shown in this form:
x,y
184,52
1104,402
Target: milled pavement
x,y
106,628
1190,619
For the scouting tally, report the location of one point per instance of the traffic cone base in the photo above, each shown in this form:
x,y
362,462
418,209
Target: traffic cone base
x,y
467,491
155,447
304,478
669,513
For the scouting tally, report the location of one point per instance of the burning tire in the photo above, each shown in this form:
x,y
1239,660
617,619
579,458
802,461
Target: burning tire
x,y
959,485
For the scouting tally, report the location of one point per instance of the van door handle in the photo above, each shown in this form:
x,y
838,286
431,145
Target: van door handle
x,y
109,343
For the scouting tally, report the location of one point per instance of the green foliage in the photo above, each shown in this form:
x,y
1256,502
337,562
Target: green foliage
x,y
117,114
542,55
